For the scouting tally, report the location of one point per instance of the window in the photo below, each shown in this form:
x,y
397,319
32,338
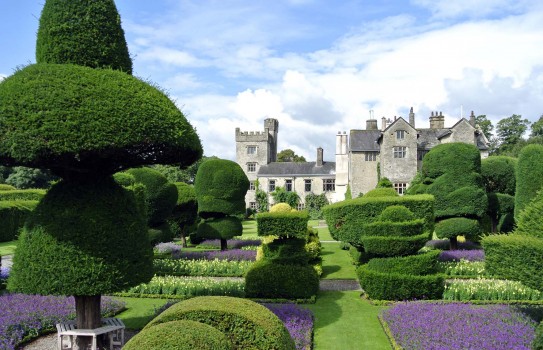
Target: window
x,y
300,206
288,185
421,153
370,156
251,149
252,186
400,188
307,185
252,205
400,134
251,167
328,185
399,151
271,186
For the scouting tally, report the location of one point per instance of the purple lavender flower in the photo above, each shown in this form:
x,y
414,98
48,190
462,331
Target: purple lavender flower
x,y
299,322
231,255
455,326
4,273
457,255
232,243
169,247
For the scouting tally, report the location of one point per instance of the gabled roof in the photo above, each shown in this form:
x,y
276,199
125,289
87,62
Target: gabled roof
x,y
398,120
297,169
364,140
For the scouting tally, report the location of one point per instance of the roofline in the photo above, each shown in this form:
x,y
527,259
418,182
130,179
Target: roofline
x,y
295,175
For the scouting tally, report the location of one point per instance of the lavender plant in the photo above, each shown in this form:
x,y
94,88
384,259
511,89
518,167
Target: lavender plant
x,y
299,322
231,255
456,326
457,255
232,243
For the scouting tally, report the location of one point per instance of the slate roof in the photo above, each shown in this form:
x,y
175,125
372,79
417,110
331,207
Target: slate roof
x,y
428,138
364,140
297,169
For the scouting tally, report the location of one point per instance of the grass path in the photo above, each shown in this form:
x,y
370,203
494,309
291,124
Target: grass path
x,y
336,263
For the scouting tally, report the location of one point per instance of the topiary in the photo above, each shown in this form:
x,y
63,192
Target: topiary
x,y
384,183
451,157
286,251
281,208
498,174
85,33
179,335
396,213
185,212
124,179
529,176
6,187
247,324
453,227
220,228
381,192
220,187
530,221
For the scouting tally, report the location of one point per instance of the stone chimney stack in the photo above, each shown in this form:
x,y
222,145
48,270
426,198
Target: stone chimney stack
x,y
437,121
412,117
383,123
371,124
320,154
472,119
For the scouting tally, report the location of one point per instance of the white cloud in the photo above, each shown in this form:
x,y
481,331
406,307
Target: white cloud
x,y
473,9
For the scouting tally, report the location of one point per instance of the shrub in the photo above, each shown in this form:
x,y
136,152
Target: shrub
x,y
292,224
280,195
179,335
124,179
384,183
267,279
382,192
451,157
183,287
515,257
281,208
389,228
185,212
488,289
421,264
207,268
498,174
537,344
530,220
6,187
13,215
286,251
22,195
453,227
529,176
314,204
396,213
394,246
248,325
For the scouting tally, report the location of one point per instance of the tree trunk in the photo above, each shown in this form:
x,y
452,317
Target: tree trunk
x,y
183,238
453,243
494,221
224,244
88,316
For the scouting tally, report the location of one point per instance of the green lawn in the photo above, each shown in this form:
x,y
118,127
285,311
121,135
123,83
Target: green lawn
x,y
336,263
7,248
139,311
344,321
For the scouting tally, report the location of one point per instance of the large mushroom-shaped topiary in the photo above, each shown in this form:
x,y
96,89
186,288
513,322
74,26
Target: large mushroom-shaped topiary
x,y
220,187
78,113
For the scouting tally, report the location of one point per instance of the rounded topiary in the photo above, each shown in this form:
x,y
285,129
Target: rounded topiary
x,y
529,176
220,228
179,335
247,325
160,194
286,251
451,157
381,192
281,208
384,183
498,174
396,213
267,279
124,179
453,227
112,121
86,33
530,221
220,187
73,237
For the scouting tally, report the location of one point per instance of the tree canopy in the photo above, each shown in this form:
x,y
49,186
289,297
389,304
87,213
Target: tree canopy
x,y
288,155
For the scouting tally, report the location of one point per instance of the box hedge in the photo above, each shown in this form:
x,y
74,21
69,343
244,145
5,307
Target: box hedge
x,y
248,325
346,218
388,228
267,279
286,251
529,173
516,257
291,224
13,214
530,220
453,227
180,335
22,195
394,246
220,228
420,264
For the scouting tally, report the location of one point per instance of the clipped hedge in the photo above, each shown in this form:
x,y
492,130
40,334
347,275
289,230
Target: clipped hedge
x,y
13,214
382,192
220,228
530,220
267,279
6,187
291,224
444,158
388,228
179,335
529,176
345,218
450,228
398,286
281,208
22,195
515,257
396,213
287,251
394,246
420,264
247,325
498,174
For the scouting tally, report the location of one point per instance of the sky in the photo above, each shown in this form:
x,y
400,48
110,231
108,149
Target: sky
x,y
320,66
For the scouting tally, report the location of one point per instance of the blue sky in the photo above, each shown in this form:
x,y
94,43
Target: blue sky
x,y
319,66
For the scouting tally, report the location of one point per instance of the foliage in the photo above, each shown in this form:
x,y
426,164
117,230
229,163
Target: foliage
x,y
268,279
286,251
185,212
453,227
530,220
463,268
22,195
247,324
348,194
288,155
261,198
6,187
205,268
381,192
455,326
185,174
220,187
180,335
13,214
291,224
458,255
86,34
489,289
485,125
81,225
111,136
509,132
537,344
420,264
384,183
498,174
314,204
455,157
280,195
168,286
396,213
529,176
220,228
230,255
25,317
24,178
281,208
515,257
299,322
537,127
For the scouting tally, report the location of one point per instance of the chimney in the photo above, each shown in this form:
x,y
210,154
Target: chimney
x,y
437,121
412,117
371,124
472,119
320,154
383,123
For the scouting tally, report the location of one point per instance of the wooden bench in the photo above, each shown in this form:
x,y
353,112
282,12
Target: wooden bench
x,y
114,328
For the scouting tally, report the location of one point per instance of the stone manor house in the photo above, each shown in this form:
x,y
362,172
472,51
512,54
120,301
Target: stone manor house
x,y
395,150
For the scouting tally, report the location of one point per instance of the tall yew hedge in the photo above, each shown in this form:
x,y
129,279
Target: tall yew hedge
x,y
529,176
